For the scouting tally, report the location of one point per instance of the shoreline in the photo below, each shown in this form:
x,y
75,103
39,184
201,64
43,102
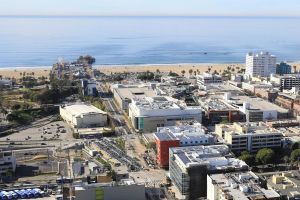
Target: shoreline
x,y
96,66
17,72
146,64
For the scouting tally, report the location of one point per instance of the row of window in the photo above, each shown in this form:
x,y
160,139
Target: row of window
x,y
196,142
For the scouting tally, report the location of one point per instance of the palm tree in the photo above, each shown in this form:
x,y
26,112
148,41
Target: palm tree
x,y
190,71
157,71
183,72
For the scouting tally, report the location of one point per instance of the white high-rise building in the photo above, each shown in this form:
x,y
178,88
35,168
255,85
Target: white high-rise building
x,y
262,64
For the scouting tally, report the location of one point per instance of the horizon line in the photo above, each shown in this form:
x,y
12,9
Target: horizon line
x,y
170,16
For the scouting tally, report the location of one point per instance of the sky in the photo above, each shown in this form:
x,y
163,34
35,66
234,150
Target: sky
x,y
151,7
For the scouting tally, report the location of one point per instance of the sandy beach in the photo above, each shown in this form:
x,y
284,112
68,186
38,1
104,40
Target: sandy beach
x,y
17,73
167,67
107,69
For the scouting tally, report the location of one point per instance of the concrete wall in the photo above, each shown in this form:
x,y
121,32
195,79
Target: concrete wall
x,y
211,189
151,123
91,120
84,121
130,192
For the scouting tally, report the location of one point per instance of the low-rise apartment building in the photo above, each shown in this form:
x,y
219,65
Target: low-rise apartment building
x,y
249,136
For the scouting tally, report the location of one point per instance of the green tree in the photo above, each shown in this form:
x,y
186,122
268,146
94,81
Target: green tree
x,y
265,156
247,158
146,76
173,74
295,155
208,69
190,71
295,146
113,175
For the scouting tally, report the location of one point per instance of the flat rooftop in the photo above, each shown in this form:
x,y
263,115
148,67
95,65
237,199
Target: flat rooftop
x,y
290,184
223,88
188,131
181,131
239,128
134,92
288,76
82,109
256,103
213,156
242,186
209,75
165,136
158,102
214,103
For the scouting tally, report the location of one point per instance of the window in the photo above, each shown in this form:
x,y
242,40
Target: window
x,y
140,123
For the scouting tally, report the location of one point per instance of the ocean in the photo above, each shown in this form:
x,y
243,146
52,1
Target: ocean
x,y
41,41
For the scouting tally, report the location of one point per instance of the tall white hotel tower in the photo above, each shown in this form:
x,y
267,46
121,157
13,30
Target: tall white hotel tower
x,y
262,64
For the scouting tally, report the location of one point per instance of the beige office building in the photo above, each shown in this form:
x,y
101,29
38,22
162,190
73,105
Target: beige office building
x,y
249,136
